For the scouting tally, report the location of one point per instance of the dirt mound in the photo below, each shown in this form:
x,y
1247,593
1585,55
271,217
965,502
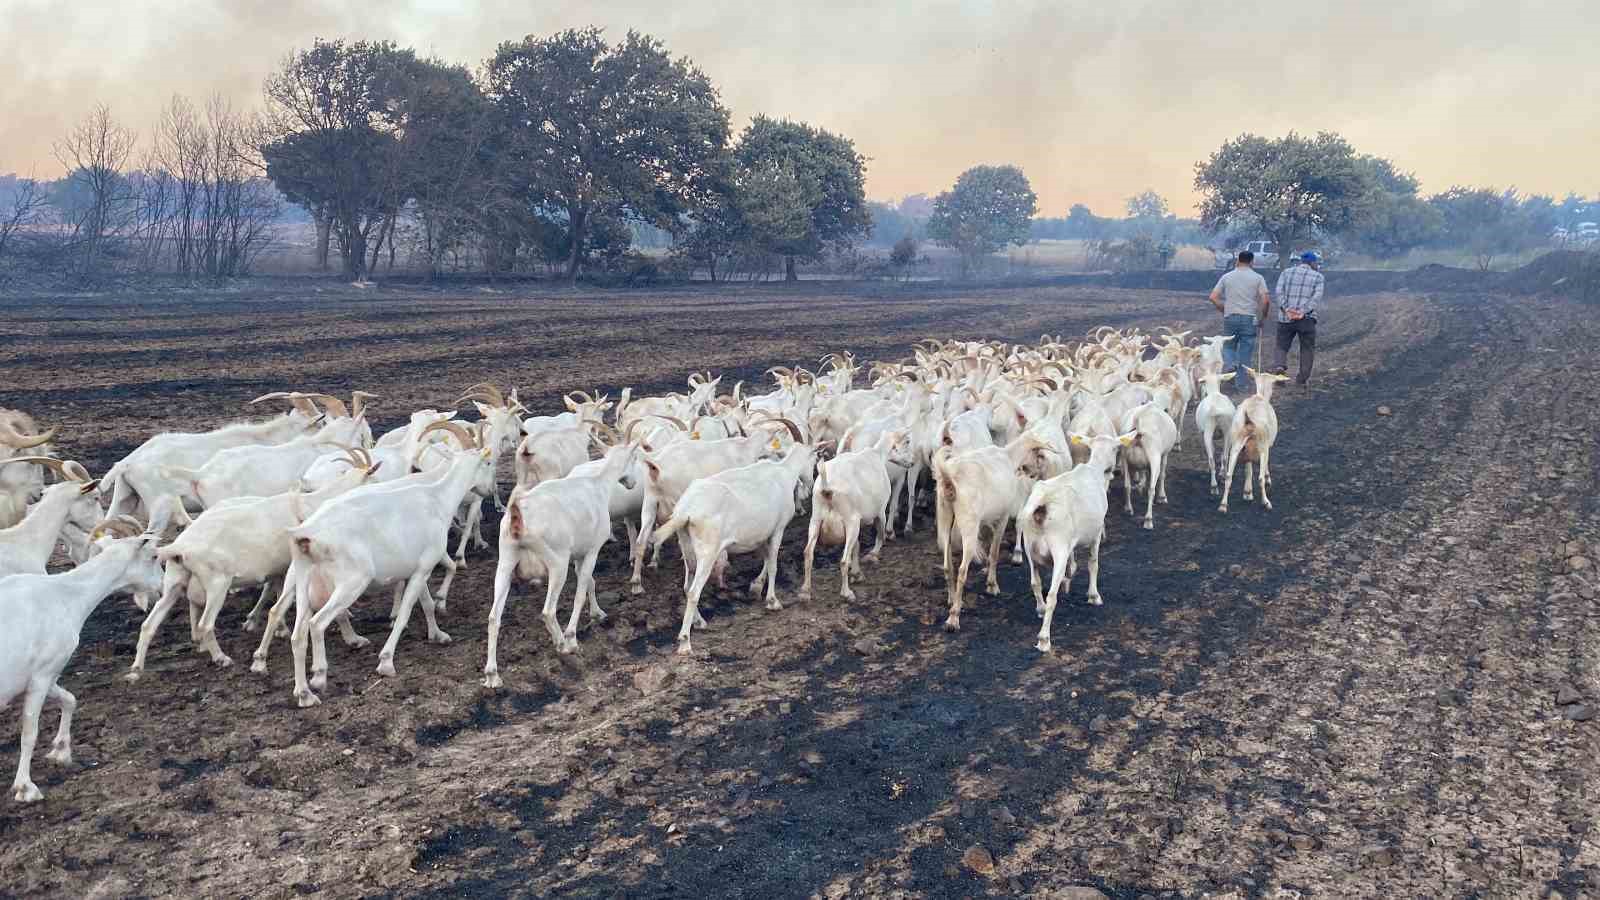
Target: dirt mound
x,y
1574,273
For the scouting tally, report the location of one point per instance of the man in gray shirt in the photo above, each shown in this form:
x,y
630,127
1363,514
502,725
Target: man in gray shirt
x,y
1241,296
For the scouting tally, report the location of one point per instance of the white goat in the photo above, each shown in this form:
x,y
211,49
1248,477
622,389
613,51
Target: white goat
x,y
20,485
1157,435
1251,434
263,470
1064,513
1214,414
41,617
738,511
379,534
981,488
852,489
237,542
26,547
553,526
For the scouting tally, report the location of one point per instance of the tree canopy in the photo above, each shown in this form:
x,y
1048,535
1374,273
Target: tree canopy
x,y
1288,188
989,208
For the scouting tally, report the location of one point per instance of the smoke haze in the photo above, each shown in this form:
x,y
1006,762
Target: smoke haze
x,y
1095,101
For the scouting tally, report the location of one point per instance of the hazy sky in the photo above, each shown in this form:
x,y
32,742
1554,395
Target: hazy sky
x,y
1095,101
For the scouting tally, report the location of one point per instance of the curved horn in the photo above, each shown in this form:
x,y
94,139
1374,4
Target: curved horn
x,y
334,405
123,526
358,402
782,422
60,467
468,442
20,441
627,434
607,430
682,425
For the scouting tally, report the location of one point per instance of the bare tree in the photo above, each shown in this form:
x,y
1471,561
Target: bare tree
x,y
95,154
20,213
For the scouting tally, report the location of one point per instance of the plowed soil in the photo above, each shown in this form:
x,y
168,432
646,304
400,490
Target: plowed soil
x,y
1354,694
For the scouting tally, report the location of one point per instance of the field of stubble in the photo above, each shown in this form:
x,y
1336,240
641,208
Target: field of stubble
x,y
1351,695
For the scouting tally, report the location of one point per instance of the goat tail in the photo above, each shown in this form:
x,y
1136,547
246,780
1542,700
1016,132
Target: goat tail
x,y
670,528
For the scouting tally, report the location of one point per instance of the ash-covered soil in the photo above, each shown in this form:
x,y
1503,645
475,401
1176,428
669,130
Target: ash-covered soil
x,y
1354,694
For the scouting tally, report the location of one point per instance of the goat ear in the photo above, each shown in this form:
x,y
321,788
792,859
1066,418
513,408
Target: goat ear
x,y
655,470
1227,377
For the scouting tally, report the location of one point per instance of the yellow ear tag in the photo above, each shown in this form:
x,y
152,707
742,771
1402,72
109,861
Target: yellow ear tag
x,y
777,444
694,435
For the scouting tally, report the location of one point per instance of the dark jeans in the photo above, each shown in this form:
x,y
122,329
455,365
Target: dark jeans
x,y
1306,331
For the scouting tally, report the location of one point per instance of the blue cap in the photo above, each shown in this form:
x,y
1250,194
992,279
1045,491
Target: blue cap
x,y
1310,256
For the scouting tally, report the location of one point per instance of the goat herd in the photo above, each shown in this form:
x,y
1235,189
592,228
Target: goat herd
x,y
308,500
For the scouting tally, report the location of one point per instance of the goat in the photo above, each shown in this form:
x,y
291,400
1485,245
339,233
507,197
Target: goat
x,y
41,617
1157,434
1251,434
852,489
240,541
552,526
376,535
1215,413
738,511
1064,513
262,470
26,546
981,488
19,486
136,481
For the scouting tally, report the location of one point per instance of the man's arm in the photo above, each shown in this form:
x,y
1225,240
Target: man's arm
x,y
1216,296
1316,296
1266,302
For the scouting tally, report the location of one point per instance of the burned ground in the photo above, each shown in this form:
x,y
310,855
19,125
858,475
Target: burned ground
x,y
1351,695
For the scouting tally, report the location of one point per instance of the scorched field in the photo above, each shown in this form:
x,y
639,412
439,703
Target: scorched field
x,y
1353,694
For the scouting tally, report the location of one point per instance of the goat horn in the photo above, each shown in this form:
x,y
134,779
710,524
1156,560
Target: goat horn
x,y
468,442
782,422
358,402
11,437
50,462
335,406
606,429
682,425
123,526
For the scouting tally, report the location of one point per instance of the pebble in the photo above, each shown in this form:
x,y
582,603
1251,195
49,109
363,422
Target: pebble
x,y
811,758
785,708
1578,564
1385,411
1378,855
653,679
1099,725
1236,570
977,859
1567,694
1305,841
1081,892
866,647
1578,712
1004,816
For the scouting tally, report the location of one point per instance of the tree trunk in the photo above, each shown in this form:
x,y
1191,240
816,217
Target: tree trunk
x,y
354,253
577,218
788,269
324,231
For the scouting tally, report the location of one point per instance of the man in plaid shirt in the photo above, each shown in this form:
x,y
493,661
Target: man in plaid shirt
x,y
1299,300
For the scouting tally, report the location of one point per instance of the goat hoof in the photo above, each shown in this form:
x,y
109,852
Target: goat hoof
x,y
684,647
1094,600
61,756
1222,508
133,675
259,666
357,641
441,606
952,624
569,646
874,558
26,792
385,668
848,594
491,680
439,637
319,681
306,699
1266,503
1043,646
222,660
635,589
1149,525
251,625
1016,558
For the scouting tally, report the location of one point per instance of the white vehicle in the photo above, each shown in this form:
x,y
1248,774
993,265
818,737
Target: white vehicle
x,y
1266,253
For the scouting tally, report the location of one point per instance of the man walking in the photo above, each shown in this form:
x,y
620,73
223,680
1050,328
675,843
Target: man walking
x,y
1299,300
1241,296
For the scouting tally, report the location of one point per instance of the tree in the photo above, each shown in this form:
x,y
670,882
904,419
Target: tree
x,y
1290,189
1148,206
818,176
1484,221
1393,219
989,208
601,127
99,199
335,114
20,209
904,254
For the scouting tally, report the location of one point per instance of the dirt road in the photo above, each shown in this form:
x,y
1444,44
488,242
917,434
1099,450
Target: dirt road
x,y
1351,695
